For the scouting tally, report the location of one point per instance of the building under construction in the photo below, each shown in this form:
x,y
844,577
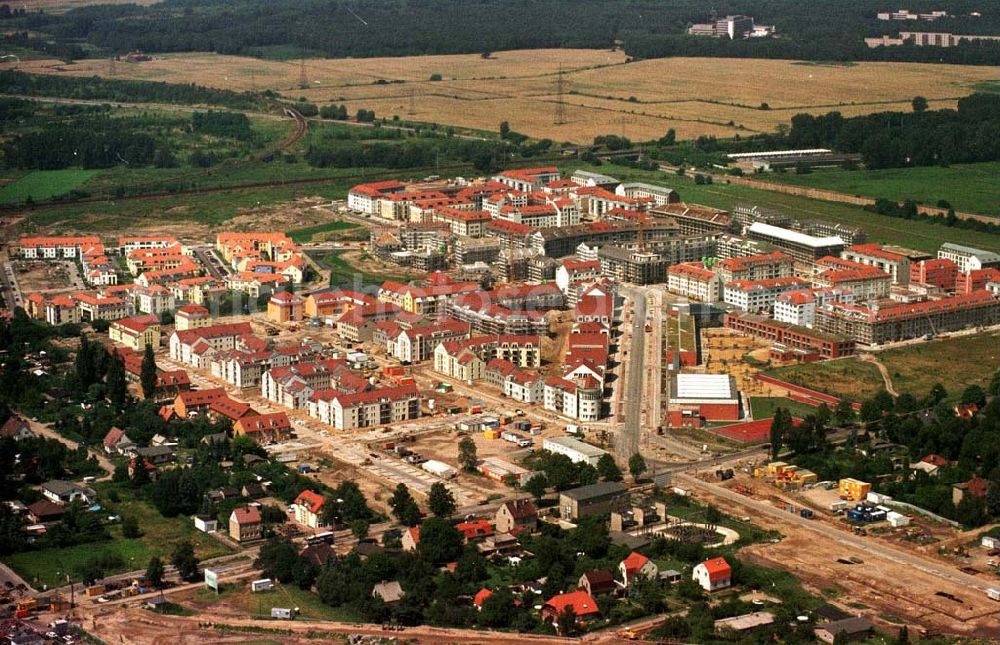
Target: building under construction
x,y
901,321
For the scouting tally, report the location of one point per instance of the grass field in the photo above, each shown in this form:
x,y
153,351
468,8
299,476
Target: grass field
x,y
604,94
160,534
764,406
956,363
303,235
346,273
848,377
967,187
43,184
922,236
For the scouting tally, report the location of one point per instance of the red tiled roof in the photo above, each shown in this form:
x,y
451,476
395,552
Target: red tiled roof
x,y
718,569
481,597
247,515
583,603
634,562
310,500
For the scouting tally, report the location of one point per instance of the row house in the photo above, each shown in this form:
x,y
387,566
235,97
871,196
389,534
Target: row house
x,y
135,332
367,409
131,243
264,428
571,271
694,281
429,300
596,303
485,318
58,248
758,295
764,266
189,346
660,195
97,269
365,198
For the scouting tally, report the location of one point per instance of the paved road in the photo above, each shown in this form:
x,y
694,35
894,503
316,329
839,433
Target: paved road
x,y
628,438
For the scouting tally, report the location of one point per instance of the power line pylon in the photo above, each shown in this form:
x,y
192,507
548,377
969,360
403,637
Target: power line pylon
x,y
303,79
560,98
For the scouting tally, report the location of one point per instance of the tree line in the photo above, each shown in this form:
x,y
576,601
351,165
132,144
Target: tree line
x,y
823,30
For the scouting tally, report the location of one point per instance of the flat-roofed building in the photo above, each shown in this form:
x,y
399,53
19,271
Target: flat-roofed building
x,y
794,337
801,246
576,450
594,499
710,396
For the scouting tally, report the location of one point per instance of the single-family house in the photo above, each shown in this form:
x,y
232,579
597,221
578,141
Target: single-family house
x,y
713,574
309,509
636,566
245,524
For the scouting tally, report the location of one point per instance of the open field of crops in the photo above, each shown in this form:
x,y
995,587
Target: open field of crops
x,y
602,93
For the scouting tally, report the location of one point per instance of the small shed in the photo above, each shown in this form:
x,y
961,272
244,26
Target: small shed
x,y
206,523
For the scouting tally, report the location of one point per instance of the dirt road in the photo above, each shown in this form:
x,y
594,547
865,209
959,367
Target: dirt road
x,y
102,459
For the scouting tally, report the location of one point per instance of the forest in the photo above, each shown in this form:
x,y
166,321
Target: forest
x,y
816,30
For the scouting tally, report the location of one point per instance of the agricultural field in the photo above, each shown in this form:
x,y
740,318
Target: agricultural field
x,y
60,6
602,92
973,188
43,184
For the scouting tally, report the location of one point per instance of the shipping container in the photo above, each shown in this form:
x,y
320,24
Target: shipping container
x,y
806,513
993,593
281,613
264,584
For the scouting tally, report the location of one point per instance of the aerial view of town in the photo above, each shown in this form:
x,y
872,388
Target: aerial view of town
x,y
485,321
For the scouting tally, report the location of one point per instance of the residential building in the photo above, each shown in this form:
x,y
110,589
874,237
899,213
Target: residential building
x,y
632,266
660,195
763,266
884,323
309,509
195,346
854,628
598,582
135,332
693,280
57,248
967,258
64,492
264,428
713,574
527,179
516,516
582,603
245,524
16,428
976,280
757,296
155,300
636,566
285,307
883,258
592,500
865,282
381,406
98,307
364,198
61,310
581,399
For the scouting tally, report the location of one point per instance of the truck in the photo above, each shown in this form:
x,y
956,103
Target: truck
x,y
512,437
806,513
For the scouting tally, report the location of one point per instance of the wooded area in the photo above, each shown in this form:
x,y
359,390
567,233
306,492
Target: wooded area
x,y
817,30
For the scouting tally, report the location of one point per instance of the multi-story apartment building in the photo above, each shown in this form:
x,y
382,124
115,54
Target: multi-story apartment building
x,y
98,307
365,198
135,332
58,248
788,335
896,264
758,296
367,409
968,258
692,280
756,267
901,321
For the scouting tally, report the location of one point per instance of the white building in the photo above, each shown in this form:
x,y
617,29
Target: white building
x,y
367,409
968,258
575,449
796,307
758,296
692,280
660,194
